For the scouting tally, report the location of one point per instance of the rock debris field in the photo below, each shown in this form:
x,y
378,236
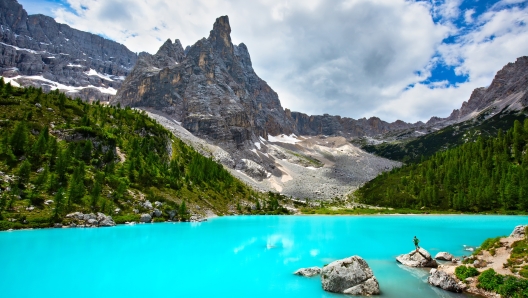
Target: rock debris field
x,y
317,167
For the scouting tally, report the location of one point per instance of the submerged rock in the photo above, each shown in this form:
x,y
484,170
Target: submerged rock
x,y
308,272
444,256
351,276
445,281
417,258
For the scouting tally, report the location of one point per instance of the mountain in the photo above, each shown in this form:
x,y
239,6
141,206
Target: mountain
x,y
344,126
487,110
213,92
212,89
37,51
508,90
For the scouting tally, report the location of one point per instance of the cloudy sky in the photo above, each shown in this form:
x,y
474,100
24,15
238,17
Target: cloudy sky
x,y
394,59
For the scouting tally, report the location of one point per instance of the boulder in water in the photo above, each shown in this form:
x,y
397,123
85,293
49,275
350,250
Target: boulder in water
x,y
417,258
308,272
351,276
445,281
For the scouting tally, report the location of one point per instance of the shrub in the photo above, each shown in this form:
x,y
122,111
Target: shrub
x,y
514,287
488,244
489,280
463,272
5,225
126,218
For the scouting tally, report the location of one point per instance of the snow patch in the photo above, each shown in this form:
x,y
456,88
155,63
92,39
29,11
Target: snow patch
x,y
291,139
92,72
74,65
257,144
12,81
55,85
22,49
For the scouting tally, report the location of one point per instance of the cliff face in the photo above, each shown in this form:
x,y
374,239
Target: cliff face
x,y
211,88
35,50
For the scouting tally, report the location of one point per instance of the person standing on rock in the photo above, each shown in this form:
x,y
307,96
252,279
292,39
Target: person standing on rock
x,y
416,241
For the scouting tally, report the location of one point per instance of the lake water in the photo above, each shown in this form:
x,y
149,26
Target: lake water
x,y
242,256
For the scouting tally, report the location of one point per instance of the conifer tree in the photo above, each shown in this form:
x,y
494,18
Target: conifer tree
x,y
19,138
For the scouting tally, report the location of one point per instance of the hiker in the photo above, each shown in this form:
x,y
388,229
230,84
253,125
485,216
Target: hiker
x,y
416,241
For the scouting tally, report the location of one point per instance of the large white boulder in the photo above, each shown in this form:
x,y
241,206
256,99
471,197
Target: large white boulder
x,y
351,276
417,258
444,256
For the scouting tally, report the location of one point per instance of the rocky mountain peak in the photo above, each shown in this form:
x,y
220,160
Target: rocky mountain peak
x,y
172,51
220,36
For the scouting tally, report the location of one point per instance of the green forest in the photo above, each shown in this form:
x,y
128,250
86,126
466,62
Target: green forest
x,y
489,174
59,155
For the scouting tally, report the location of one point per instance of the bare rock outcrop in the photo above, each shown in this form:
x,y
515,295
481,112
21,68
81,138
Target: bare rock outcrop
x,y
351,276
519,232
417,258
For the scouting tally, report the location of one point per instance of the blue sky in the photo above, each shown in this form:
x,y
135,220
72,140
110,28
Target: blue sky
x,y
395,59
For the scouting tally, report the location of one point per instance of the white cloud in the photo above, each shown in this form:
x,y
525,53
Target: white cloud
x,y
468,16
349,57
500,38
447,9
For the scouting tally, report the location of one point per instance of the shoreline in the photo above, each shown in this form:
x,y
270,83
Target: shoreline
x,y
299,215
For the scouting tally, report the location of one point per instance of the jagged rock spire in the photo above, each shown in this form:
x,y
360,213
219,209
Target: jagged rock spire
x,y
220,36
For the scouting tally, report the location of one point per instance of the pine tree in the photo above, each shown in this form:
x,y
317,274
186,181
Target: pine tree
x,y
24,171
76,189
19,138
183,211
59,205
96,190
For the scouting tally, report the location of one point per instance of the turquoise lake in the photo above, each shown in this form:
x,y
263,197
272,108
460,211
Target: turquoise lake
x,y
239,256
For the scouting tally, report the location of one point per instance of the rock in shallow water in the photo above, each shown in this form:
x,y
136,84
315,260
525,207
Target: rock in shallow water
x,y
351,276
445,281
417,258
308,272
